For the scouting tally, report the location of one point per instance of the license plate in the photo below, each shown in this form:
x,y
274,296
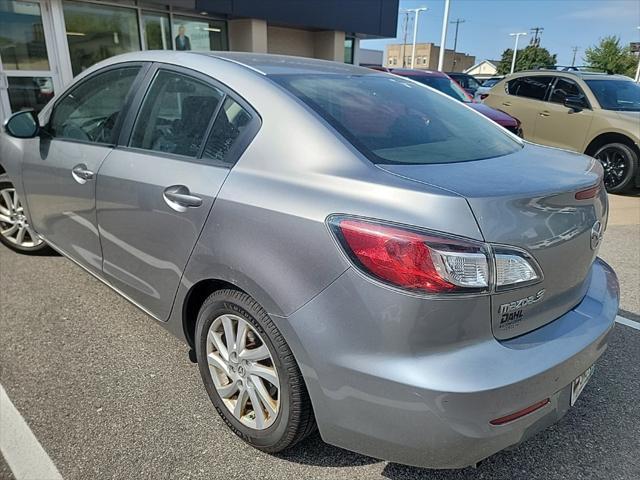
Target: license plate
x,y
579,383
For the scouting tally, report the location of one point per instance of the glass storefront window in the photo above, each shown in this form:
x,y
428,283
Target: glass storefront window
x,y
22,44
199,34
348,50
96,32
157,32
29,92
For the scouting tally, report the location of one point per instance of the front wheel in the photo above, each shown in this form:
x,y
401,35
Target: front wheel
x,y
15,231
620,164
250,373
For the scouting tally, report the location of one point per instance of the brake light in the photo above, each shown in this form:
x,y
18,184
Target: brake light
x,y
414,260
432,262
588,193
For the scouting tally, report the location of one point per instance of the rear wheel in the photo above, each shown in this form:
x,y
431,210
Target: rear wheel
x,y
250,373
620,164
15,231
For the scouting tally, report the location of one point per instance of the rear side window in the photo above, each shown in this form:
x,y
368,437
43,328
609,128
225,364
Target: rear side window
x,y
564,88
175,115
529,87
231,122
393,120
90,111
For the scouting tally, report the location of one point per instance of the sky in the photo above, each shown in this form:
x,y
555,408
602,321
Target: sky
x,y
485,33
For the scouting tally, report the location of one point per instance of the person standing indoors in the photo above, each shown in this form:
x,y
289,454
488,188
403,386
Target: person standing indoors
x,y
182,41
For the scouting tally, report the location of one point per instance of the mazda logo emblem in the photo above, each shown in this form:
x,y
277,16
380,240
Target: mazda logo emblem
x,y
596,235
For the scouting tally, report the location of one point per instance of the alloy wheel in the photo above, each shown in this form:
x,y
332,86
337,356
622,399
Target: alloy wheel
x,y
616,164
243,371
14,226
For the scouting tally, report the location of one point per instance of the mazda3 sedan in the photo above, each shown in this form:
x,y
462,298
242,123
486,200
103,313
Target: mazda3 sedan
x,y
339,247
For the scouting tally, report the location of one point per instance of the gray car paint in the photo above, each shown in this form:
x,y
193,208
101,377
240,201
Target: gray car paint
x,y
400,376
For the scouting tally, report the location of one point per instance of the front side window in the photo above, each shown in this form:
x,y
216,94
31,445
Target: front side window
x,y
175,114
231,122
564,88
90,111
529,87
620,95
95,32
393,120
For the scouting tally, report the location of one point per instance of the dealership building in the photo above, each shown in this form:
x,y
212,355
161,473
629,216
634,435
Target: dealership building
x,y
45,43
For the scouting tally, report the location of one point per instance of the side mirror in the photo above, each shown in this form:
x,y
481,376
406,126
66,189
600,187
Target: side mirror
x,y
22,124
575,102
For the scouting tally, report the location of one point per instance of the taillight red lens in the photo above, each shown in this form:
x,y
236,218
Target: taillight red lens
x,y
414,260
588,193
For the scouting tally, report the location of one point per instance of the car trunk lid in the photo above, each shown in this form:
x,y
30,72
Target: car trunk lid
x,y
528,200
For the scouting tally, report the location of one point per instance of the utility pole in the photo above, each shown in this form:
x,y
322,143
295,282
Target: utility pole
x,y
416,11
537,36
443,37
404,41
638,69
458,21
515,48
575,50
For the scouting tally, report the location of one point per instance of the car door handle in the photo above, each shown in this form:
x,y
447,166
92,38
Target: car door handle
x,y
506,104
81,173
544,113
179,198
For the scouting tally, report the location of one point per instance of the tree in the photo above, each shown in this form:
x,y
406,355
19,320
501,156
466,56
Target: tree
x,y
610,56
527,58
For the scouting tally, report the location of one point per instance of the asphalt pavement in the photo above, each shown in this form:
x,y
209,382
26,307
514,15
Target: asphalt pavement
x,y
109,394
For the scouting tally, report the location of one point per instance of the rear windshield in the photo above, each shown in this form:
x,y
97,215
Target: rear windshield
x,y
394,120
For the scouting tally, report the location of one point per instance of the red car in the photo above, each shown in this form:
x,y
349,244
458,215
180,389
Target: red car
x,y
445,84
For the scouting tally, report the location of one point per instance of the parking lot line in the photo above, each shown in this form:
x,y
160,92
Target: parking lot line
x,y
627,322
19,446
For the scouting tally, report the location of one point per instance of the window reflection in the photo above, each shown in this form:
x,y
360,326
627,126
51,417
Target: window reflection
x,y
29,92
96,32
22,45
199,34
157,32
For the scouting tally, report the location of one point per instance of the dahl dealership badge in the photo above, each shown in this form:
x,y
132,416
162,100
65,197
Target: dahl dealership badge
x,y
512,312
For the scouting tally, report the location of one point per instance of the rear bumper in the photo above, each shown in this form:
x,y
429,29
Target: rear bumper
x,y
416,403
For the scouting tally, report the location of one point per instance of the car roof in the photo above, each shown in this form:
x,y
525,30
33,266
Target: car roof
x,y
585,75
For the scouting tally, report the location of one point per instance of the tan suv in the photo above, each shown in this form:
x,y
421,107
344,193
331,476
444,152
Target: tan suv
x,y
593,113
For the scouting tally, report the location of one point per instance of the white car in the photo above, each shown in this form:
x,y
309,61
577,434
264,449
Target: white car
x,y
483,90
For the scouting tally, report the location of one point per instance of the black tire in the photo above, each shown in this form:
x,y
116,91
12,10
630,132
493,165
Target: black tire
x,y
41,249
295,419
620,162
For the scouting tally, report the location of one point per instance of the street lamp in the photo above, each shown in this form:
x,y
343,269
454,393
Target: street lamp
x,y
415,30
515,48
443,36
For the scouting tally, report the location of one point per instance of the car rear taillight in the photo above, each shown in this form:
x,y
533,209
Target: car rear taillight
x,y
431,262
412,259
588,193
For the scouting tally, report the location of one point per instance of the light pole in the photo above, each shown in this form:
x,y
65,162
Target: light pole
x,y
515,49
443,37
416,11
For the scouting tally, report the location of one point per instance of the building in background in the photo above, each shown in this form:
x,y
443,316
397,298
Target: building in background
x,y
45,43
426,57
370,58
483,70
